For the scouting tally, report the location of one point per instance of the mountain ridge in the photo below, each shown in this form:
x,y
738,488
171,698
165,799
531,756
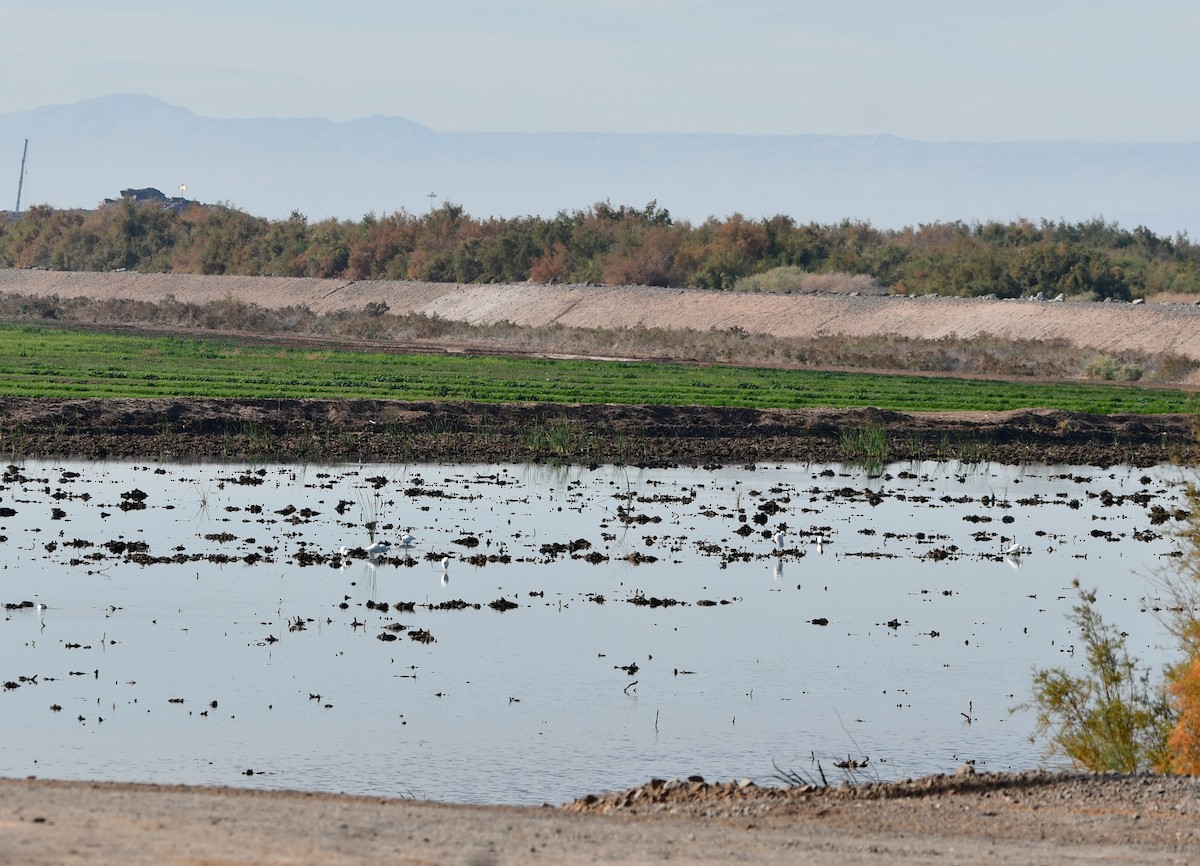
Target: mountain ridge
x,y
84,152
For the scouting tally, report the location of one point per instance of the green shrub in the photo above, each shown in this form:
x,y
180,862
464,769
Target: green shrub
x,y
1110,718
1111,369
790,278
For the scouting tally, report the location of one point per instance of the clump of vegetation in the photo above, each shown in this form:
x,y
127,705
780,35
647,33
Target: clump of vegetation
x,y
790,278
867,445
1116,715
618,245
1183,743
1113,716
1109,368
1181,586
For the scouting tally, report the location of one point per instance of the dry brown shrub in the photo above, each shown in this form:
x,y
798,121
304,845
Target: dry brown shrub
x,y
1172,298
551,266
842,283
1184,741
648,264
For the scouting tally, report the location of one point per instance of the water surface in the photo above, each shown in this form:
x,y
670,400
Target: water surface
x,y
196,671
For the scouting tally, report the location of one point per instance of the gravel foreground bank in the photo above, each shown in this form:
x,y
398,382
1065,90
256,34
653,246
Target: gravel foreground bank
x,y
1029,818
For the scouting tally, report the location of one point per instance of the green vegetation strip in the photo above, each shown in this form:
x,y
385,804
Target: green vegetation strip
x,y
57,363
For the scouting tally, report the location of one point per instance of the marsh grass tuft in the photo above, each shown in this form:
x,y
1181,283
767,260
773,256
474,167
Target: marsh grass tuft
x,y
260,438
440,427
560,437
865,444
15,439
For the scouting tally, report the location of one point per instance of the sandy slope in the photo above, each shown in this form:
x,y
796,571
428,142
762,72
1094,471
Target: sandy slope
x,y
1111,327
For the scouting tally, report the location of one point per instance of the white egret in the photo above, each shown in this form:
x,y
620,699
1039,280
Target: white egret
x,y
379,549
779,538
1015,549
408,539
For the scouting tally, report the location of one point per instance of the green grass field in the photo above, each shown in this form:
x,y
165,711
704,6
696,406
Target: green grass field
x,y
37,361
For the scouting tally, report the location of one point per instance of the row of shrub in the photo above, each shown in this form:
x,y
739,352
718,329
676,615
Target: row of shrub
x,y
612,245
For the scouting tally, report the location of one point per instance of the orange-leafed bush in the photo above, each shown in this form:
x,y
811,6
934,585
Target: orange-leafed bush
x,y
1184,741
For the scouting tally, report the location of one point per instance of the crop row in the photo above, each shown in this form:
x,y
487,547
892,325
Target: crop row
x,y
53,362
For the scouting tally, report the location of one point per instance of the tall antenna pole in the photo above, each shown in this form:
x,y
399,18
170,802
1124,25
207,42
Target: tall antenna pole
x,y
21,182
431,197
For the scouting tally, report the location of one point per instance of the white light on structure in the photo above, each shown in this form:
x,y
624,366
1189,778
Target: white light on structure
x,y
182,188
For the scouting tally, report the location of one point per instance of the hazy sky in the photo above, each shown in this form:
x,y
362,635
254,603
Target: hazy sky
x,y
928,69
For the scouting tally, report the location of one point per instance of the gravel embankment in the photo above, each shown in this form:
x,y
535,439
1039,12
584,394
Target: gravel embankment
x,y
1110,327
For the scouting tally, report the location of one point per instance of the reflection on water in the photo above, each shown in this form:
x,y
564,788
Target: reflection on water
x,y
583,629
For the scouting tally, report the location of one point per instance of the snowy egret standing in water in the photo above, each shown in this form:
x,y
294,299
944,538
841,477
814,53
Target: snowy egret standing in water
x,y
1015,549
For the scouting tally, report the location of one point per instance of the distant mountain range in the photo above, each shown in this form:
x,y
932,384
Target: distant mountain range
x,y
82,153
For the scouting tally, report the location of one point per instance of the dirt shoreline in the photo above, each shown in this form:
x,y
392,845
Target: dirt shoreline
x,y
379,430
1031,818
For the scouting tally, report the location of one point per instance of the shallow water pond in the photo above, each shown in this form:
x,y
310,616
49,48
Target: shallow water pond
x,y
592,628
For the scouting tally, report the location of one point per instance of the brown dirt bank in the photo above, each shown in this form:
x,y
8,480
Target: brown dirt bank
x,y
1025,818
337,430
1108,327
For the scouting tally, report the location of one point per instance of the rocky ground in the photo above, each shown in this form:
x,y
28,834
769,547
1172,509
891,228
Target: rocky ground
x,y
1028,818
